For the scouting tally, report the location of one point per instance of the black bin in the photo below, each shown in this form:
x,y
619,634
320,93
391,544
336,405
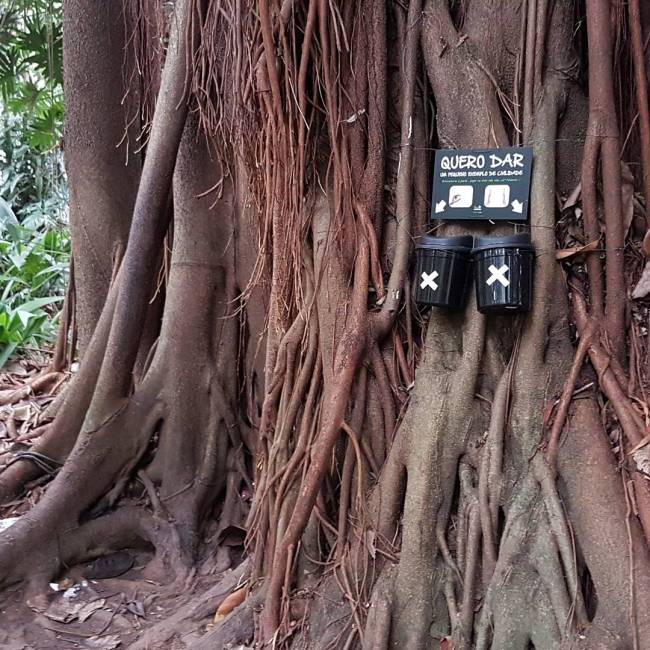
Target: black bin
x,y
442,271
503,273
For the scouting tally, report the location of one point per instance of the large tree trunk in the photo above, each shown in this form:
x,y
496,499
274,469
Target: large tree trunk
x,y
102,123
406,480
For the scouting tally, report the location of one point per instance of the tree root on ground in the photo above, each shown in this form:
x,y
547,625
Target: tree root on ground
x,y
201,608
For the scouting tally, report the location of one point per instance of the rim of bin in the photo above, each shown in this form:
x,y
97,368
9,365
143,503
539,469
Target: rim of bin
x,y
521,240
459,243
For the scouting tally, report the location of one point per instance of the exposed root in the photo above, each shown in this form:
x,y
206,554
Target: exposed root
x,y
392,508
379,615
190,616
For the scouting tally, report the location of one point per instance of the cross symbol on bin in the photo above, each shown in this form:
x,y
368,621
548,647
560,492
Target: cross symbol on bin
x,y
498,274
428,280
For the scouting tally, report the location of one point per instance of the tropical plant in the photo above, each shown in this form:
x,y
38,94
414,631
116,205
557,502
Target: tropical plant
x,y
34,245
33,272
31,68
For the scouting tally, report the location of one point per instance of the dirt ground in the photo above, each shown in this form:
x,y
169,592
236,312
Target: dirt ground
x,y
109,603
125,612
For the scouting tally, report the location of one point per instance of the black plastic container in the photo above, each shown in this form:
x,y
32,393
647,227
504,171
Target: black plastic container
x,y
503,273
443,271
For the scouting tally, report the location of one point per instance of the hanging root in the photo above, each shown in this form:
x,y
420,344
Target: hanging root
x,y
379,615
273,225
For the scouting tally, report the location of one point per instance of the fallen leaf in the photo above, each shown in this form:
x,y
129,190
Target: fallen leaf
x,y
642,288
109,642
16,368
136,607
63,611
6,394
642,460
89,609
567,253
572,199
642,444
20,413
231,601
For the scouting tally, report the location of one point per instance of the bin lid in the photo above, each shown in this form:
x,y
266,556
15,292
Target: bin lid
x,y
521,240
461,243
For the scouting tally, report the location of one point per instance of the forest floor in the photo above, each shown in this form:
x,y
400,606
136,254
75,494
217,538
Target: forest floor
x,y
129,611
27,389
109,603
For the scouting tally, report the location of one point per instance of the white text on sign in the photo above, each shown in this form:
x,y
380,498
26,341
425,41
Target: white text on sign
x,y
468,161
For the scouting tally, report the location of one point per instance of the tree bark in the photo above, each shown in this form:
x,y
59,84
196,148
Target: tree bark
x,y
101,127
493,497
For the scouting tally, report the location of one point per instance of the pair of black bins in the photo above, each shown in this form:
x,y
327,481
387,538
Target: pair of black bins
x,y
503,272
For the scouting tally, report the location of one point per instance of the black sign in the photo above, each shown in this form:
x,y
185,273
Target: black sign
x,y
482,184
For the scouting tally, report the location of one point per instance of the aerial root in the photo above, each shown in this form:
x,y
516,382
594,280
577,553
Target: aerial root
x,y
379,615
562,535
551,557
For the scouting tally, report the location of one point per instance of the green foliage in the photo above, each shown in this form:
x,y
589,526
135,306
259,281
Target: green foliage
x,y
34,244
31,68
33,270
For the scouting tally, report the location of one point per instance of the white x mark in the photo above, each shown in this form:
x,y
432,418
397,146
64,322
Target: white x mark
x,y
498,274
428,280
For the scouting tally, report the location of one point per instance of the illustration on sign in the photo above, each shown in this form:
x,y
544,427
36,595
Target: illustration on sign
x,y
482,184
498,274
429,280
